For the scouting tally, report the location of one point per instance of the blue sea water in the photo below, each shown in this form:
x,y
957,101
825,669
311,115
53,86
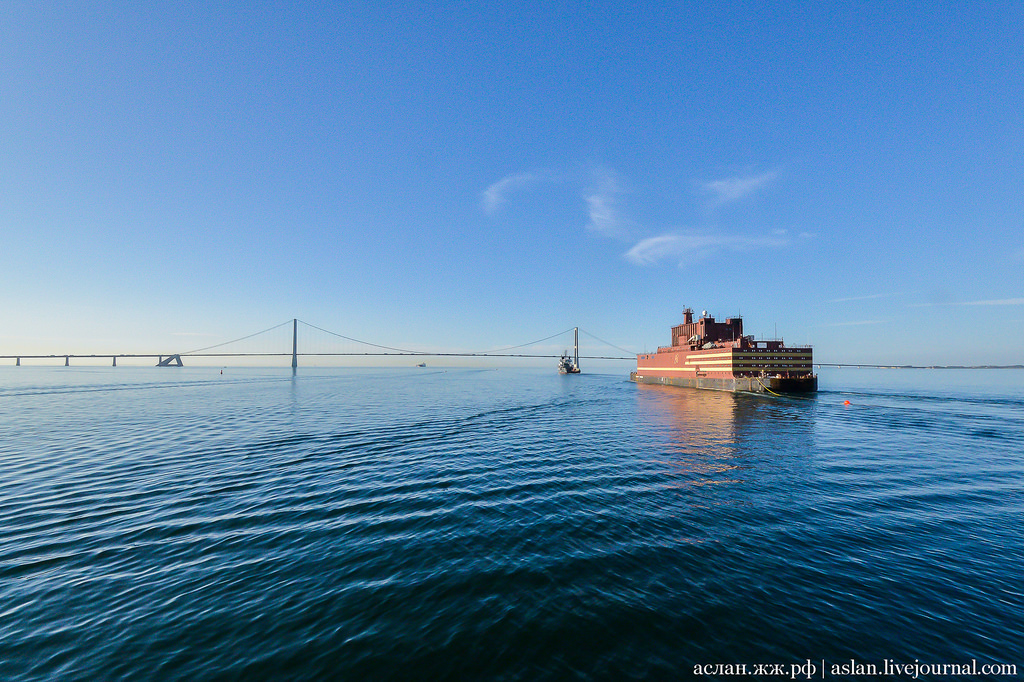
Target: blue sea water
x,y
509,524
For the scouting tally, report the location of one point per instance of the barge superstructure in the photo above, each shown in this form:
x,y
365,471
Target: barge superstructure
x,y
717,355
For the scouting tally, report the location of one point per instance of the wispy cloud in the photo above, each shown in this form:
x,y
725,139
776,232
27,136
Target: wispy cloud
x,y
996,301
691,246
495,196
731,189
861,298
990,301
856,323
602,204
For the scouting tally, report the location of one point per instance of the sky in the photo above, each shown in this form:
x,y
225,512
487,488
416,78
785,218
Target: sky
x,y
448,176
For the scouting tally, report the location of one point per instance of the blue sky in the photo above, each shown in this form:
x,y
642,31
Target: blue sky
x,y
450,176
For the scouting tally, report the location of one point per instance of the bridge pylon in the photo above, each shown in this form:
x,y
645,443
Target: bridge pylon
x,y
295,344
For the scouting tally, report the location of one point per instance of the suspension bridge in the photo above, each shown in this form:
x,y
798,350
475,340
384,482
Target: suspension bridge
x,y
280,348
287,340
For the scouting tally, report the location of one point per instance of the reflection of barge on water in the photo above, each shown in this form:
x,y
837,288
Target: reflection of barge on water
x,y
716,355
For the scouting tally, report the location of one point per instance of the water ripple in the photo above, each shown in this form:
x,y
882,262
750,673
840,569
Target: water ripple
x,y
496,526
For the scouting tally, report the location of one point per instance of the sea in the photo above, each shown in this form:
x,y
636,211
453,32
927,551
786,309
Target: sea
x,y
507,524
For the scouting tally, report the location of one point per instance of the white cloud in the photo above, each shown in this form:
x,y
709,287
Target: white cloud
x,y
602,200
495,196
691,246
602,214
601,197
731,189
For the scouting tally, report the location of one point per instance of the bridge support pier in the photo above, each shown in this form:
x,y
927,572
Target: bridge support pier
x,y
67,360
171,361
114,358
18,363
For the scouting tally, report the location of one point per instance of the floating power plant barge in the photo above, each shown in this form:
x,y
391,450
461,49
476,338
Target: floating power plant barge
x,y
716,355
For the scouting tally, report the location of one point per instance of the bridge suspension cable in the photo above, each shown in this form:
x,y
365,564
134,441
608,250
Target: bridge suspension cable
x,y
243,338
522,345
609,344
375,345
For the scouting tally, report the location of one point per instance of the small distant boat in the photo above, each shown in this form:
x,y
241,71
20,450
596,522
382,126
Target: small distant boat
x,y
567,366
570,364
422,364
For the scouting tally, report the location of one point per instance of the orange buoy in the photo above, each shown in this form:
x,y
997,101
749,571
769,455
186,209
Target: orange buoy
x,y
846,402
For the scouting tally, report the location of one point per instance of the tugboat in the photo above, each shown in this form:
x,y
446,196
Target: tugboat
x,y
570,364
716,355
